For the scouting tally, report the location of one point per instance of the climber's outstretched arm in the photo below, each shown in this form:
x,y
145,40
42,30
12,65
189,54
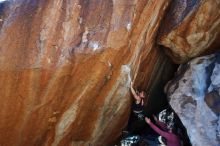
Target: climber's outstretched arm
x,y
134,93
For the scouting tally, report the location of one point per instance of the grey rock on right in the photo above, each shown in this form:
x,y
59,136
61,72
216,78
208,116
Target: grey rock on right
x,y
194,94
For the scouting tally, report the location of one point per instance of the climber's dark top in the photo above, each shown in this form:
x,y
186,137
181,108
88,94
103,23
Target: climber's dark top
x,y
138,109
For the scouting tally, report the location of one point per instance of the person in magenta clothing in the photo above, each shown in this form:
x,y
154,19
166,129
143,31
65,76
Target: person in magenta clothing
x,y
172,139
162,125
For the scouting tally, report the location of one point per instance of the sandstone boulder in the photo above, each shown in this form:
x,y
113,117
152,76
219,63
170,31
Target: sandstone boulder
x,y
66,66
190,27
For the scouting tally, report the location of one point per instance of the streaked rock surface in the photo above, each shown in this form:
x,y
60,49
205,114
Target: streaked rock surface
x,y
66,66
195,96
190,28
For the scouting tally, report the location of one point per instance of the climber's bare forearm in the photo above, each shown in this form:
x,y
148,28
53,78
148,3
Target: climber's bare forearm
x,y
134,93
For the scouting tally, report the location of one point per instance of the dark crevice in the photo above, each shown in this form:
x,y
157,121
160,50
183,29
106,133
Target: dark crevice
x,y
157,102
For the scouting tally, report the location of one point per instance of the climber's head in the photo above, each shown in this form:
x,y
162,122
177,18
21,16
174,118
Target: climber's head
x,y
142,94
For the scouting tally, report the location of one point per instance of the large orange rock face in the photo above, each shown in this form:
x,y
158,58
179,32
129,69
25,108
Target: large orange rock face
x,y
190,28
66,66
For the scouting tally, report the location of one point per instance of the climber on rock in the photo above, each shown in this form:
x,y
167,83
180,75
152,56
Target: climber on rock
x,y
171,138
136,121
138,105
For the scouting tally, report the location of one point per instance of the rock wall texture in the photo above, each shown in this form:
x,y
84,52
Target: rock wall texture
x,y
195,96
190,27
66,66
